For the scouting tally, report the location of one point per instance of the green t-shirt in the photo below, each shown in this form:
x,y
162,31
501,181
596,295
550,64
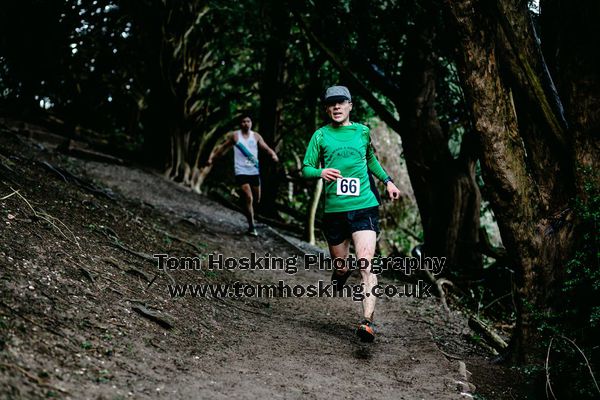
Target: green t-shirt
x,y
348,149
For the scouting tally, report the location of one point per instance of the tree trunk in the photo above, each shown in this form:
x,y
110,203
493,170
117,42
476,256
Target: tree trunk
x,y
278,24
312,111
542,123
175,168
571,38
445,189
537,229
205,147
312,211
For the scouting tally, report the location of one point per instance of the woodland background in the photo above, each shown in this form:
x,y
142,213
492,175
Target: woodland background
x,y
487,112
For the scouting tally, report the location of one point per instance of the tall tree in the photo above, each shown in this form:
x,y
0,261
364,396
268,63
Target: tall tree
x,y
195,69
277,24
518,120
445,188
570,34
34,45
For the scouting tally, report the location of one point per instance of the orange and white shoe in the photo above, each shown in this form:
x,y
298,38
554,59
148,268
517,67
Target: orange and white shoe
x,y
366,331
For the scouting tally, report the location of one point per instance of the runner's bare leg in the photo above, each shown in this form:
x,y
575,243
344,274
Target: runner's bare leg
x,y
342,251
255,197
247,203
364,243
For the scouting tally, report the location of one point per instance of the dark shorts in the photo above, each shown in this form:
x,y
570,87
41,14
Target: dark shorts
x,y
339,226
252,180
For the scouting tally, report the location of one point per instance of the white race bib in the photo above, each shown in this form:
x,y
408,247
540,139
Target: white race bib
x,y
348,186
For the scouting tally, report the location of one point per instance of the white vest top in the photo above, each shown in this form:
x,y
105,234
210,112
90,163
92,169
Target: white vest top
x,y
241,163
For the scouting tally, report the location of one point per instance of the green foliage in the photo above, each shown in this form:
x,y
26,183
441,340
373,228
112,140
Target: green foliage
x,y
582,283
104,376
578,318
405,244
407,218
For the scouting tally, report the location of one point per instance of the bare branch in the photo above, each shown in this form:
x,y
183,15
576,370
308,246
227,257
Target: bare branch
x,y
356,83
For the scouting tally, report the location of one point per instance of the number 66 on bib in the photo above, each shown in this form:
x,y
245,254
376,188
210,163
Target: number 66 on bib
x,y
348,187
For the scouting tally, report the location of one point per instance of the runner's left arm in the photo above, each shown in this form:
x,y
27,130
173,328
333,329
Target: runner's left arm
x,y
263,145
379,172
372,162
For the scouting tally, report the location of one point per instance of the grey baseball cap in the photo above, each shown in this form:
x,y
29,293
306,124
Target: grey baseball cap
x,y
337,93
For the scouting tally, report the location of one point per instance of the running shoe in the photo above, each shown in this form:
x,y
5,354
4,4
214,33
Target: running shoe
x,y
366,331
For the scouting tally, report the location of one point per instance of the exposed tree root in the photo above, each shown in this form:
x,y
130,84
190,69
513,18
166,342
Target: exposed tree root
x,y
53,221
155,316
439,284
177,238
33,378
488,334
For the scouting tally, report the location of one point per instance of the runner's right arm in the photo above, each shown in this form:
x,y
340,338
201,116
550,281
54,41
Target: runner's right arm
x,y
222,149
311,165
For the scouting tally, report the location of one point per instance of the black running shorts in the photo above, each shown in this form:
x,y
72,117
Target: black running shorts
x,y
339,226
252,180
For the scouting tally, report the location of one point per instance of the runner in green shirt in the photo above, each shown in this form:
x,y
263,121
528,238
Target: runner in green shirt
x,y
341,154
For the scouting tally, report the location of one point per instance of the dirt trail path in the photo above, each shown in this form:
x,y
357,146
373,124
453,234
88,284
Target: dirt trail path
x,y
69,329
304,347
